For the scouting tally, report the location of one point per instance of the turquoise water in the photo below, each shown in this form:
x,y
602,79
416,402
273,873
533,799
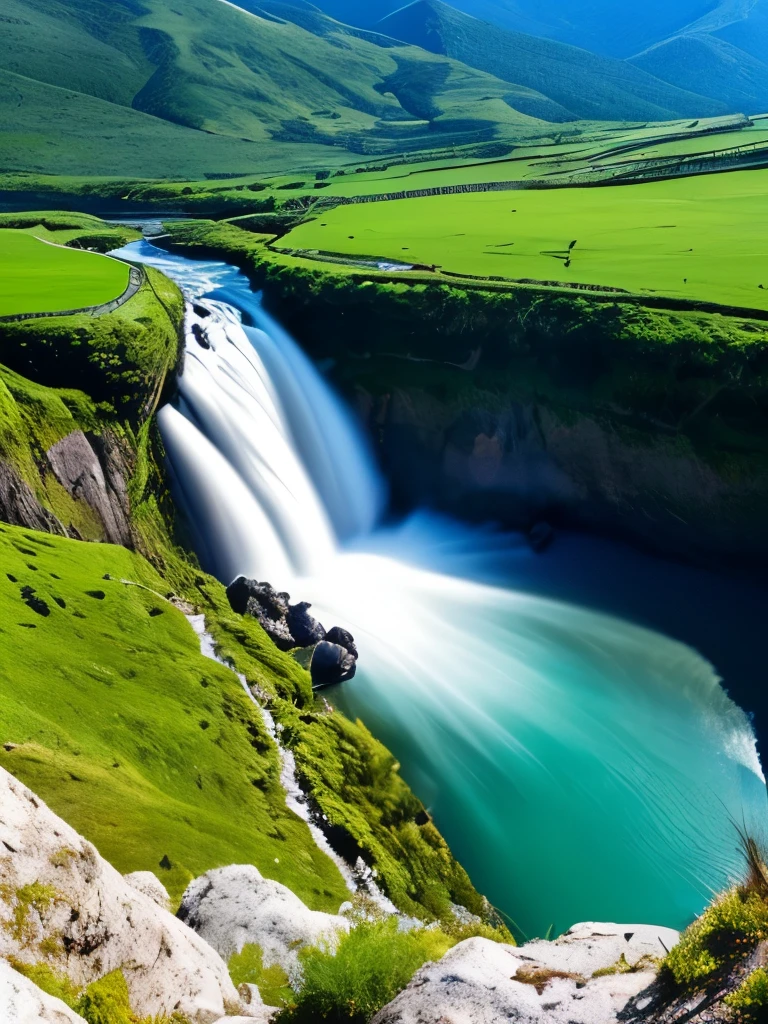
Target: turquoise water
x,y
581,767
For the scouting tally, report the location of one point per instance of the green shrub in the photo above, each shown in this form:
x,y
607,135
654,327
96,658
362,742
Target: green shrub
x,y
727,931
106,1001
750,1000
371,965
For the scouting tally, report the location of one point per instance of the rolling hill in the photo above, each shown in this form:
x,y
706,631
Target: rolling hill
x,y
128,88
591,87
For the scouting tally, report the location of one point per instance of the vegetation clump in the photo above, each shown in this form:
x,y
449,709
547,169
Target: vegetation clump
x,y
247,968
366,971
724,952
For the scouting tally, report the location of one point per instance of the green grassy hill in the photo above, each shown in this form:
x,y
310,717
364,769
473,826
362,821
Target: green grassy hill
x,y
591,87
170,746
207,89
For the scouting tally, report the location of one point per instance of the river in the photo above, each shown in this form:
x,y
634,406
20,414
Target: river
x,y
582,766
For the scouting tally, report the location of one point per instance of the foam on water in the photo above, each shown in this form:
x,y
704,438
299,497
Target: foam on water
x,y
580,767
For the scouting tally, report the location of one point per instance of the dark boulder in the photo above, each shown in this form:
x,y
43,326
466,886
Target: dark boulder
x,y
243,591
306,631
199,335
263,603
276,629
343,638
331,664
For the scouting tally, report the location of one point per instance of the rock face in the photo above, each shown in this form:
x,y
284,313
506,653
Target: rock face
x,y
20,507
331,664
483,982
235,906
22,1002
96,476
63,904
525,462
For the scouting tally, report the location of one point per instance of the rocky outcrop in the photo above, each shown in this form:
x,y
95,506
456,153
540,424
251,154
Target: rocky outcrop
x,y
63,904
20,507
95,474
22,1002
235,906
331,664
587,976
290,626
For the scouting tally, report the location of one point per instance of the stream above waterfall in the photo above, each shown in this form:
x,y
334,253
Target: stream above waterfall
x,y
580,765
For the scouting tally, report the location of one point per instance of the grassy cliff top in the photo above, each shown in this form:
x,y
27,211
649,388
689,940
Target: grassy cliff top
x,y
690,239
40,276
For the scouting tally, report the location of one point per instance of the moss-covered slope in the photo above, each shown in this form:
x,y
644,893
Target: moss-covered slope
x,y
112,715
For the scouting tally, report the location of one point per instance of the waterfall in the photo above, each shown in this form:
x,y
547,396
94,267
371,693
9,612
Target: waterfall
x,y
581,767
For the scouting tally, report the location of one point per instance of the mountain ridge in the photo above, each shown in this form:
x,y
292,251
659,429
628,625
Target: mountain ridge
x,y
592,87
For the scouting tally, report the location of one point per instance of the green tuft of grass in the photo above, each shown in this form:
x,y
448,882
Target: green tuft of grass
x,y
247,967
718,940
366,971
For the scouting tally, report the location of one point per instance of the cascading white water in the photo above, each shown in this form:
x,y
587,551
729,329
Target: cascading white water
x,y
580,767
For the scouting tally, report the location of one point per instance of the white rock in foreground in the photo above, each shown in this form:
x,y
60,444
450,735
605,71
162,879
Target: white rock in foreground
x,y
98,920
484,982
22,1002
235,906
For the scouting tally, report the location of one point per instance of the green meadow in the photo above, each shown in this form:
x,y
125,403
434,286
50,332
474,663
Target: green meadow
x,y
110,713
37,277
699,238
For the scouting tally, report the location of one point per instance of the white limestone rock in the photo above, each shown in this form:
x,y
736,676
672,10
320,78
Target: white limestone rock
x,y
100,921
148,883
593,946
235,906
22,1002
484,982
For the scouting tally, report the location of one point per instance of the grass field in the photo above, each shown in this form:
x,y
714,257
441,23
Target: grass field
x,y
699,238
36,277
171,760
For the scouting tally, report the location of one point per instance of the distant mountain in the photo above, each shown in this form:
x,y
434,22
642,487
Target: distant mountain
x,y
612,28
248,81
591,87
714,48
712,67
